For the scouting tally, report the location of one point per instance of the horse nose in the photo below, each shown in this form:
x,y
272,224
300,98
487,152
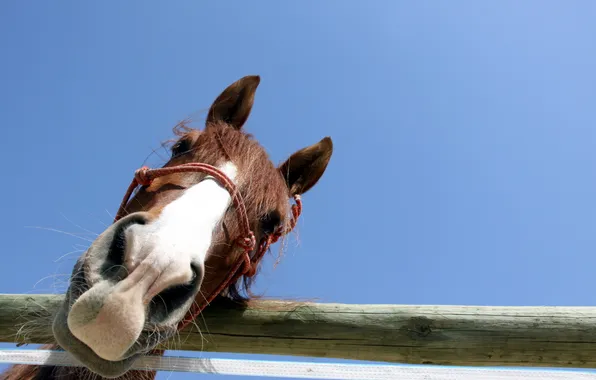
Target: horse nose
x,y
162,252
140,249
165,256
140,274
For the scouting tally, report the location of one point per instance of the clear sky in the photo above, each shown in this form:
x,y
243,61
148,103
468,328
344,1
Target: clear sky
x,y
464,134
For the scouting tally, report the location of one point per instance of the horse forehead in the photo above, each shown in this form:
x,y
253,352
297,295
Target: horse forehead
x,y
256,175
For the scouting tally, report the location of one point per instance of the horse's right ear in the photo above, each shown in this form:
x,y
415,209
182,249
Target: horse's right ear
x,y
305,167
234,104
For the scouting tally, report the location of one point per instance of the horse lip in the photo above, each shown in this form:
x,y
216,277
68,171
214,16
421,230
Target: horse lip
x,y
67,341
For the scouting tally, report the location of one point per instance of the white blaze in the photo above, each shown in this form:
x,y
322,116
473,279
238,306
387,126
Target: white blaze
x,y
182,234
158,256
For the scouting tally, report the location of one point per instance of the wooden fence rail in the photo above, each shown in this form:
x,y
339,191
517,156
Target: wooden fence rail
x,y
456,335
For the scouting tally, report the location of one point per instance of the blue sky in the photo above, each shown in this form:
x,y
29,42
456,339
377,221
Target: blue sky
x,y
464,135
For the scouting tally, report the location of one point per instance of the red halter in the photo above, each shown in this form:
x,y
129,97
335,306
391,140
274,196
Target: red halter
x,y
245,265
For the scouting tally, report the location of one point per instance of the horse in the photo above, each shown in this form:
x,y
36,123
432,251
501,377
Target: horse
x,y
187,233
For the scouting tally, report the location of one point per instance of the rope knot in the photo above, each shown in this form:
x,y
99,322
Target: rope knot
x,y
142,176
247,243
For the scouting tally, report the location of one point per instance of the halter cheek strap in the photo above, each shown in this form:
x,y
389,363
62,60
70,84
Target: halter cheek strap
x,y
245,265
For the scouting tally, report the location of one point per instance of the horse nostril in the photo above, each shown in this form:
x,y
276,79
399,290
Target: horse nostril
x,y
175,299
113,267
116,252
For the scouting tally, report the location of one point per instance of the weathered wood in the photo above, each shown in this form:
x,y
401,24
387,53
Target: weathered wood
x,y
458,335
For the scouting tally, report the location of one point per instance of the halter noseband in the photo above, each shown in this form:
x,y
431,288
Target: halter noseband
x,y
245,265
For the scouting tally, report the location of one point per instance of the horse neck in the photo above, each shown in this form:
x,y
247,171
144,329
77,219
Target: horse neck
x,y
36,372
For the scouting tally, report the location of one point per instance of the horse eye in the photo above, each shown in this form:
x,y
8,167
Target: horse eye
x,y
270,222
182,146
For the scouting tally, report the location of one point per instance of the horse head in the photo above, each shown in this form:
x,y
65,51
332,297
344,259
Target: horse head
x,y
174,243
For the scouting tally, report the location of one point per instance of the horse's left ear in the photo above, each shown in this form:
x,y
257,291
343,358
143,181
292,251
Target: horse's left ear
x,y
233,105
305,167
